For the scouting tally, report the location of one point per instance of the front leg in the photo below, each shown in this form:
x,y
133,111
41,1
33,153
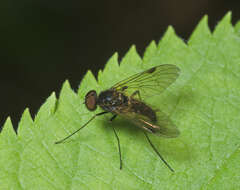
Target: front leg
x,y
137,92
112,118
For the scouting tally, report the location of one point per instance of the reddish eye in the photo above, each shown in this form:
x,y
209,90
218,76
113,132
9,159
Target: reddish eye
x,y
91,100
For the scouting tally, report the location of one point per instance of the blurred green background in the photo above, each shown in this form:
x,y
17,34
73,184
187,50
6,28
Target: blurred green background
x,y
43,43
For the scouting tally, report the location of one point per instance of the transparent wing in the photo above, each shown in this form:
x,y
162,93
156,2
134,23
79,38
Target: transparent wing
x,y
163,126
150,82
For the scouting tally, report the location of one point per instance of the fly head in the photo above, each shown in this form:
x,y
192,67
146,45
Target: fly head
x,y
91,100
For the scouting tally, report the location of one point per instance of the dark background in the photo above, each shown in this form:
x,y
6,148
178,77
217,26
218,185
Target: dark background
x,y
43,43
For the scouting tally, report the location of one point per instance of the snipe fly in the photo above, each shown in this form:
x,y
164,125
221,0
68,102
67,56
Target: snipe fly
x,y
126,99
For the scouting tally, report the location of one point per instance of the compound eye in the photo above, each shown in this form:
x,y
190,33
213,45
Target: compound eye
x,y
91,100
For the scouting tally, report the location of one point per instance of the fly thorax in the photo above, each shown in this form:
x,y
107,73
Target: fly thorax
x,y
111,100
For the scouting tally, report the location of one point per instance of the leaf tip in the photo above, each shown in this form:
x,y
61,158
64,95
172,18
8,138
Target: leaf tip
x,y
26,119
66,84
228,15
150,51
132,48
167,35
8,121
204,20
87,81
112,64
8,128
170,30
26,114
115,55
224,26
201,31
227,18
46,109
131,57
66,87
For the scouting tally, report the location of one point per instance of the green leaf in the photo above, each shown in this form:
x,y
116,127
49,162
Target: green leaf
x,y
204,103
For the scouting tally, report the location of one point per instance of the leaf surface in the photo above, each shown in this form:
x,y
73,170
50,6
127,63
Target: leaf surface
x,y
204,103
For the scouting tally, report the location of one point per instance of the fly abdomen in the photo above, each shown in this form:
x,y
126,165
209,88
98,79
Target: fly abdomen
x,y
143,109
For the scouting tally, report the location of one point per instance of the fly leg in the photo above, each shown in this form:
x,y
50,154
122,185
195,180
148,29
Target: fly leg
x,y
112,118
137,92
93,117
118,141
119,148
159,155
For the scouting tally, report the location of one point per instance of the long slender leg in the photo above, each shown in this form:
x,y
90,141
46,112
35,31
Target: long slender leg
x,y
112,118
98,114
119,148
137,92
159,155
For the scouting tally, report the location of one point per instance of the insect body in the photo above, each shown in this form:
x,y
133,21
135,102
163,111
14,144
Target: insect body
x,y
126,99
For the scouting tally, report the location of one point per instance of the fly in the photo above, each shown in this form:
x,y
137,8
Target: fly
x,y
126,99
